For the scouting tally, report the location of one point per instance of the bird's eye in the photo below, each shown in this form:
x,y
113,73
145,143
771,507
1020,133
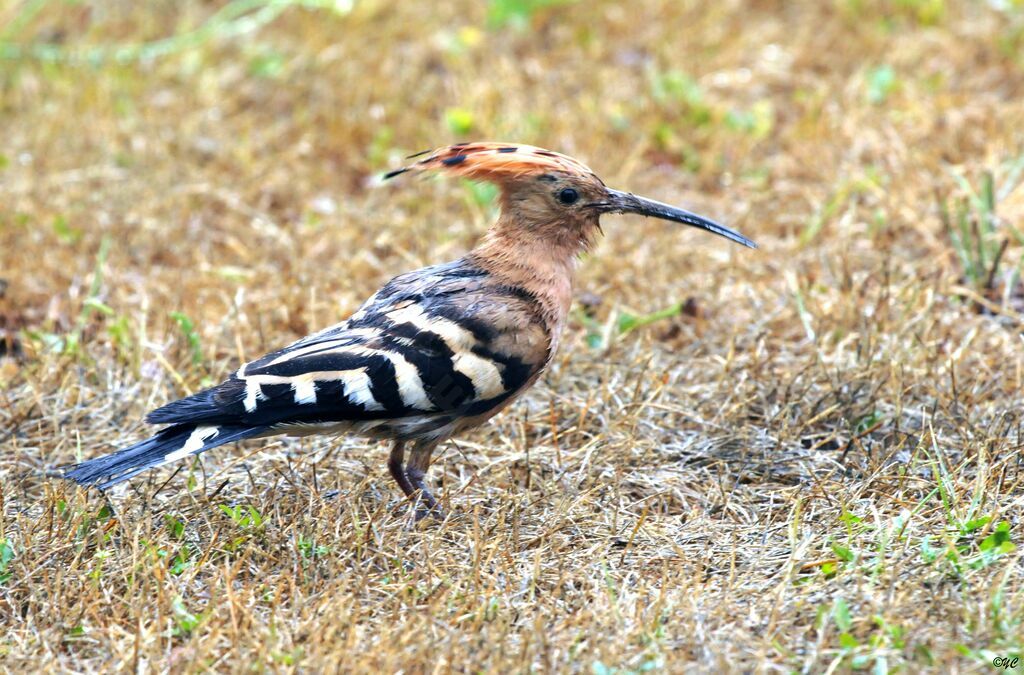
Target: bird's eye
x,y
568,196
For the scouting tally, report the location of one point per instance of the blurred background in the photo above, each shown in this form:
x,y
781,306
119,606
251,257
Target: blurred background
x,y
793,457
241,143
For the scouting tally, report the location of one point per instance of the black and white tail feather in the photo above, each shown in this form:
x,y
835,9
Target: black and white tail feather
x,y
168,445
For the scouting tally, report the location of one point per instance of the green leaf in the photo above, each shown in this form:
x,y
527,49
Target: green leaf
x,y
287,658
185,621
98,305
849,518
6,556
843,553
867,421
180,563
120,332
757,121
929,553
975,524
309,549
65,233
269,65
517,13
847,641
675,85
459,120
881,83
841,615
188,329
999,541
244,516
483,195
175,527
627,322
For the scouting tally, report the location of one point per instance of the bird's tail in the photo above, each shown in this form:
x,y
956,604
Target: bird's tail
x,y
167,445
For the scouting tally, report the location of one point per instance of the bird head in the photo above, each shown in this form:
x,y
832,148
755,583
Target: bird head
x,y
550,194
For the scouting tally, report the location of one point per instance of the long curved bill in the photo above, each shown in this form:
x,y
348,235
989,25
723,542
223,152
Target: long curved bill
x,y
627,202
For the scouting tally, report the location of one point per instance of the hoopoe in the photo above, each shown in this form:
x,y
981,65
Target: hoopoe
x,y
434,352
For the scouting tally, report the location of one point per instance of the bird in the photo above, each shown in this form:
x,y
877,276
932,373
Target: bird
x,y
433,353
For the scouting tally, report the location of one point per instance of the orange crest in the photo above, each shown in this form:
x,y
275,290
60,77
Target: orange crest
x,y
495,162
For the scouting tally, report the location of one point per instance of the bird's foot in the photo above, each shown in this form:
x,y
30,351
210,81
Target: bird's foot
x,y
426,505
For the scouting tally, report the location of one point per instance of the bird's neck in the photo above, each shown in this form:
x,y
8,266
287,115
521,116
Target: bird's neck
x,y
540,259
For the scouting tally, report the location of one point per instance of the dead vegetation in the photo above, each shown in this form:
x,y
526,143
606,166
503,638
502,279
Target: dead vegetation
x,y
802,458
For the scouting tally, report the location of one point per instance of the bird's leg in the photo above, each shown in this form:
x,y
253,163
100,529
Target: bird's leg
x,y
396,465
416,471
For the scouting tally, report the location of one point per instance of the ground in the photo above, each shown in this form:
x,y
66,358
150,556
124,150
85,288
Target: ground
x,y
801,458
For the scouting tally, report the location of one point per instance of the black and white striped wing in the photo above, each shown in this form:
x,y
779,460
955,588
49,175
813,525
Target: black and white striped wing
x,y
432,353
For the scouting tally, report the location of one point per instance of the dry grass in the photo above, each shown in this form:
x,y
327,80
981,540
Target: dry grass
x,y
816,466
